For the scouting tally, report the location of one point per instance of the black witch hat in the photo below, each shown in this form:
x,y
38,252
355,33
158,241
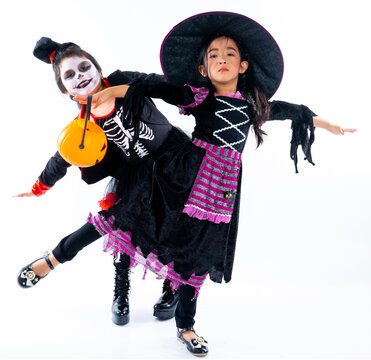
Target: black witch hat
x,y
180,48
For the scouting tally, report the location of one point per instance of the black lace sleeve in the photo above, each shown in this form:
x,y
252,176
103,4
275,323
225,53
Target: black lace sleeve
x,y
127,77
147,88
302,127
54,170
172,94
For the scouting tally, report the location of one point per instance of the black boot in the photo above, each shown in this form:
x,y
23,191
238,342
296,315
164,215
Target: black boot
x,y
165,306
120,305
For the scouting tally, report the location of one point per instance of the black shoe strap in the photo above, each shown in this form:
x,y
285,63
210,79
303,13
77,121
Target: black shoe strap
x,y
46,258
189,328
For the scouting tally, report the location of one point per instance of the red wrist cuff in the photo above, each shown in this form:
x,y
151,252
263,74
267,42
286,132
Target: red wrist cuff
x,y
39,188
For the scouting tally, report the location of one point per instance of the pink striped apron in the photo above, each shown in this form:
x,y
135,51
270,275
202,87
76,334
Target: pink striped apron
x,y
213,192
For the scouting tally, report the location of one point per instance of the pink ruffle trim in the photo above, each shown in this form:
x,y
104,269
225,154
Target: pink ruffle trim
x,y
206,215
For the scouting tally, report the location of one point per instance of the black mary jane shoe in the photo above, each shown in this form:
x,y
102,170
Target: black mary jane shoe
x,y
27,277
165,307
197,347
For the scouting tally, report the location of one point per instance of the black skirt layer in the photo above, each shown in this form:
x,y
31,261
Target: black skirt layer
x,y
152,212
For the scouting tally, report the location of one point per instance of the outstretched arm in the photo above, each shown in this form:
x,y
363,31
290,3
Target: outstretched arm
x,y
55,169
119,81
304,121
171,94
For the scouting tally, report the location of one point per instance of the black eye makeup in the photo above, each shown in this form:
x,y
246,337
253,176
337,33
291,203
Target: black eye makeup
x,y
69,74
84,66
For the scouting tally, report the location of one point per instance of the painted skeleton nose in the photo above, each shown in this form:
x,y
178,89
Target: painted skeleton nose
x,y
79,76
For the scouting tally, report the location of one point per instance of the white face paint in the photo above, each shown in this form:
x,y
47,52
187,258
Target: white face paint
x,y
79,75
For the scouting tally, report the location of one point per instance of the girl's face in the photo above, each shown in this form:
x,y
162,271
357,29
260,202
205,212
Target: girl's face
x,y
79,76
223,63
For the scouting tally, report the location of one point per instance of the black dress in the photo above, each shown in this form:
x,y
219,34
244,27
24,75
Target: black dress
x,y
125,154
129,147
150,223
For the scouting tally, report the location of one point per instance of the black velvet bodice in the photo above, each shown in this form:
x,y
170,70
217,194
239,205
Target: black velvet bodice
x,y
227,126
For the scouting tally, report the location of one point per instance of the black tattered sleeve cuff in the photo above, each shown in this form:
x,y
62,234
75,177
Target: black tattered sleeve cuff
x,y
302,134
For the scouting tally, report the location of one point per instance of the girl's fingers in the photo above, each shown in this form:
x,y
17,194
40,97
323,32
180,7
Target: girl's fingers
x,y
338,130
350,130
95,103
81,99
26,194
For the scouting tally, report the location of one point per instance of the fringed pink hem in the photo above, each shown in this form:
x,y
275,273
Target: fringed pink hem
x,y
152,263
201,214
117,241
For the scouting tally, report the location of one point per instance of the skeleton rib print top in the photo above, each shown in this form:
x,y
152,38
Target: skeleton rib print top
x,y
123,138
150,135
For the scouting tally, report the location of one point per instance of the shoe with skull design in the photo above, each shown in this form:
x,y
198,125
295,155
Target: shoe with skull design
x,y
197,346
27,277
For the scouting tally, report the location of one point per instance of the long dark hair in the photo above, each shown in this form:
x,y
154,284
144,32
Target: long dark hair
x,y
61,54
259,106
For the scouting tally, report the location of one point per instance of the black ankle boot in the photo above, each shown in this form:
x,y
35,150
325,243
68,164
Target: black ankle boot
x,y
165,306
120,305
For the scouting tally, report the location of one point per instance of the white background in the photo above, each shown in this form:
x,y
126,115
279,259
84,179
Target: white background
x,y
301,285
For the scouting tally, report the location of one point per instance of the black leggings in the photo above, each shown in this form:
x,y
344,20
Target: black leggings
x,y
186,309
69,246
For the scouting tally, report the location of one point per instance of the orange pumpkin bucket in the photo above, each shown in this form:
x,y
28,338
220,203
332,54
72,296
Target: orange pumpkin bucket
x,y
82,142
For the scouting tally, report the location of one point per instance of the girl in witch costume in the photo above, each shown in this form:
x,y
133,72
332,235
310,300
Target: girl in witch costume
x,y
129,147
221,68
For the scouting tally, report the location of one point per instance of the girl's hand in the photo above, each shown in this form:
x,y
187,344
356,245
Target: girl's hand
x,y
97,99
338,130
334,129
38,189
26,194
103,96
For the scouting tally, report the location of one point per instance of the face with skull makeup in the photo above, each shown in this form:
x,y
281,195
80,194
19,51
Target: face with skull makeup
x,y
79,76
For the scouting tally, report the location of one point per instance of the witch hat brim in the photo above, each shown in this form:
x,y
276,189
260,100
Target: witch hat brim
x,y
179,50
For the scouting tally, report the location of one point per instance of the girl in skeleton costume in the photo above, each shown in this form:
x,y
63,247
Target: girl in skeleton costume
x,y
231,66
130,146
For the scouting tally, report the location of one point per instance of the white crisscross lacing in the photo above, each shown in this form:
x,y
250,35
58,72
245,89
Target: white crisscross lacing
x,y
231,126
